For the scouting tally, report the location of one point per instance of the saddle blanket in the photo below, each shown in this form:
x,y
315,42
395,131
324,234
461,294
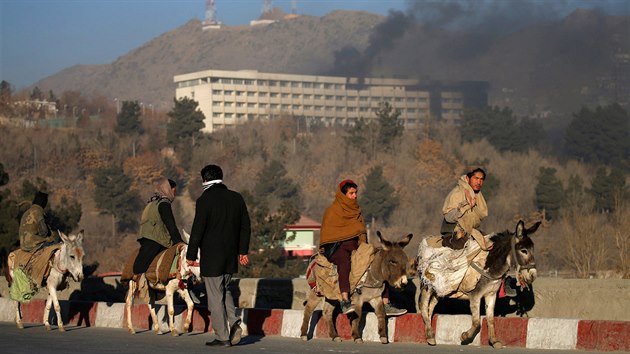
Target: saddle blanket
x,y
323,278
36,265
447,271
163,267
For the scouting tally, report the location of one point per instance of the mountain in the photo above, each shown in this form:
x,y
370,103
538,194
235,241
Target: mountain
x,y
554,66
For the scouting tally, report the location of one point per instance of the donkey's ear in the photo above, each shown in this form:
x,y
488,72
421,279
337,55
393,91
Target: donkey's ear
x,y
62,236
386,244
520,228
533,229
405,241
80,236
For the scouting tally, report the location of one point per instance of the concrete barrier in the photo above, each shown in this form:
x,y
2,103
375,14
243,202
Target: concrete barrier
x,y
534,333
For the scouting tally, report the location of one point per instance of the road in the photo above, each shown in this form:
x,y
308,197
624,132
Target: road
x,y
35,339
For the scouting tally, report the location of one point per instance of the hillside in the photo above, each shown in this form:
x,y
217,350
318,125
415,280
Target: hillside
x,y
557,66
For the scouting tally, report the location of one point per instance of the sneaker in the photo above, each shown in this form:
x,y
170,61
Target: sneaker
x,y
391,310
346,307
236,333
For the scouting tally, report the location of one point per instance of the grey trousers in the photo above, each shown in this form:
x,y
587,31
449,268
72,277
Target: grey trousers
x,y
221,305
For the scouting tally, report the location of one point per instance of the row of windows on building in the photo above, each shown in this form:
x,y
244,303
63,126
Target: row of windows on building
x,y
311,120
421,114
317,108
329,97
261,82
455,100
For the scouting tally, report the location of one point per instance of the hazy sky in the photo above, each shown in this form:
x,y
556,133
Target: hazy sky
x,y
38,38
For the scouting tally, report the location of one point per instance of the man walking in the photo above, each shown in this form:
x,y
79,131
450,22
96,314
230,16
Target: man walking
x,y
221,230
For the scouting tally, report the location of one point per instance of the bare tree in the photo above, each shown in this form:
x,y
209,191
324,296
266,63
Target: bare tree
x,y
584,241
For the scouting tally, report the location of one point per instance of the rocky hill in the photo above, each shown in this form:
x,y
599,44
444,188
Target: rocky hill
x,y
557,66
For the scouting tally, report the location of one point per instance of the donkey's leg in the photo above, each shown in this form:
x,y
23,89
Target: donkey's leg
x,y
18,315
311,303
475,311
183,293
52,298
381,317
490,299
427,304
156,324
170,309
129,304
328,313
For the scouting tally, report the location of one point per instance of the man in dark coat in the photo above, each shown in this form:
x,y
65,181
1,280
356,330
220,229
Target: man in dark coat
x,y
221,230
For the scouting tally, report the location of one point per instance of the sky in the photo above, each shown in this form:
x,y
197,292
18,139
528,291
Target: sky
x,y
39,38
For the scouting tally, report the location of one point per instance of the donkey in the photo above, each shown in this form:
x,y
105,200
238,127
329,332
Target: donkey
x,y
509,251
177,283
389,265
65,261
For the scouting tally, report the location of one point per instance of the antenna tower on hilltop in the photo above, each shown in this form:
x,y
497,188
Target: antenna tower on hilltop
x,y
267,6
211,16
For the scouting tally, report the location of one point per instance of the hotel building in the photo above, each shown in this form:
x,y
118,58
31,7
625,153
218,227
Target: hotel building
x,y
228,98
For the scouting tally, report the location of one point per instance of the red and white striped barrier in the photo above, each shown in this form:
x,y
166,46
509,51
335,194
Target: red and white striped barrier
x,y
534,333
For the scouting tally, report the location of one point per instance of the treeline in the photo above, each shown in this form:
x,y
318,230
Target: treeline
x,y
571,171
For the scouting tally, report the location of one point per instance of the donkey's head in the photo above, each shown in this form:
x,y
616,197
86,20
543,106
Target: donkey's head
x,y
523,253
393,261
71,255
187,270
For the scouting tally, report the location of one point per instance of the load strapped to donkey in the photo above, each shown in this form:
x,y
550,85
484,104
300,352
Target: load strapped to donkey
x,y
371,270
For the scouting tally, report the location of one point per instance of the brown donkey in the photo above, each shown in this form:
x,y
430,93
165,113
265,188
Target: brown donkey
x,y
389,266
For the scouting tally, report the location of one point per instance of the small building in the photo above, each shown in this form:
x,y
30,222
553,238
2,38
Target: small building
x,y
305,238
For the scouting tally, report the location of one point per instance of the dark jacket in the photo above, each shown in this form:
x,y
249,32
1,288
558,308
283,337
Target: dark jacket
x,y
221,230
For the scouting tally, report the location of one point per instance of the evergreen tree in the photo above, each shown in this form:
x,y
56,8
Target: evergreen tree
x,y
186,122
501,128
608,189
66,216
37,94
272,182
6,104
600,136
549,192
9,219
128,120
574,195
390,128
113,195
379,198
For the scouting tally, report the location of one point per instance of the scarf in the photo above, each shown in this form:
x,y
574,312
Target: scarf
x,y
208,184
163,190
342,221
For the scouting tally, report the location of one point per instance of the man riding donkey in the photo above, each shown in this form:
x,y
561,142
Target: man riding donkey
x,y
37,245
342,233
159,238
463,210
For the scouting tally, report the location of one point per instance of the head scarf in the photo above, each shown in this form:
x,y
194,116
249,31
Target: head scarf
x,y
163,189
343,220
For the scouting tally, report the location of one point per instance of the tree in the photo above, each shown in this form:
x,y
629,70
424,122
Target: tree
x,y
363,137
600,136
37,94
9,219
128,120
5,98
272,182
549,192
390,128
186,122
113,195
379,198
65,217
575,194
608,189
501,129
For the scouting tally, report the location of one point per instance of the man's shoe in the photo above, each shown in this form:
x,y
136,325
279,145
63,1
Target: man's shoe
x,y
509,289
346,307
236,333
391,310
219,343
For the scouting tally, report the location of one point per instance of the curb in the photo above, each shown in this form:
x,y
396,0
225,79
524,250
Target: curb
x,y
532,333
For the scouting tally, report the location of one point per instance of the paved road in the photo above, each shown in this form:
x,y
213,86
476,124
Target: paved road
x,y
35,339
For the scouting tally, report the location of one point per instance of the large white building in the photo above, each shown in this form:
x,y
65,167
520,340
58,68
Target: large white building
x,y
227,98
